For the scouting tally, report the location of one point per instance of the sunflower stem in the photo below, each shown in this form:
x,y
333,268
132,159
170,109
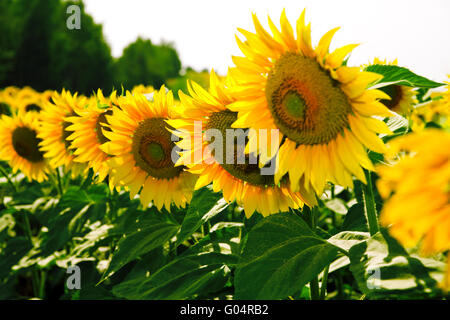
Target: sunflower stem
x,y
42,285
35,276
323,288
314,284
369,205
59,187
6,175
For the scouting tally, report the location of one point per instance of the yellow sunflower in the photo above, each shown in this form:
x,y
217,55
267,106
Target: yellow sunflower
x,y
323,109
402,97
417,189
87,136
204,111
141,149
54,133
8,101
19,145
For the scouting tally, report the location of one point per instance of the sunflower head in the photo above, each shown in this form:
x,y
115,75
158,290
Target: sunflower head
x,y
19,145
54,134
86,133
402,98
213,149
322,108
141,149
416,187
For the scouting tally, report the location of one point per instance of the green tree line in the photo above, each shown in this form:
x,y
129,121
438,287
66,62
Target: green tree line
x,y
37,49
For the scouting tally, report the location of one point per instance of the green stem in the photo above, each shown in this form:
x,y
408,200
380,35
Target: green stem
x,y
42,285
58,177
314,284
369,205
112,204
314,288
323,288
6,175
339,285
35,276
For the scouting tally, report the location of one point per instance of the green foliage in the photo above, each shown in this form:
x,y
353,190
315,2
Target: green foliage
x,y
185,277
282,254
80,58
145,63
147,234
38,50
43,53
383,269
401,76
180,83
208,250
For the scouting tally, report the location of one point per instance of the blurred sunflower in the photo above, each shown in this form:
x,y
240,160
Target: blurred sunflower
x,y
239,181
417,189
8,101
87,136
322,108
402,98
141,148
54,133
141,89
32,102
19,145
434,112
25,92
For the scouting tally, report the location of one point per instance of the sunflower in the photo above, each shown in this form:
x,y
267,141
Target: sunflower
x,y
240,181
436,111
323,109
33,101
87,136
141,89
8,101
54,133
402,98
19,145
141,147
417,189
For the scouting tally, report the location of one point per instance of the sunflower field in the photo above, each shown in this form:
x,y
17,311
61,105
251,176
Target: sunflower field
x,y
295,176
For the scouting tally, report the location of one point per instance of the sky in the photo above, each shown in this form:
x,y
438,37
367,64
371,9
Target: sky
x,y
203,32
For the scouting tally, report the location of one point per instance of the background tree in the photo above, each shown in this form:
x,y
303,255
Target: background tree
x,y
145,63
81,58
40,51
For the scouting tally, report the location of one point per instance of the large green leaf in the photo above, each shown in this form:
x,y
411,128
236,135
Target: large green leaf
x,y
281,255
183,278
224,237
148,234
401,76
11,252
205,205
383,269
355,219
345,240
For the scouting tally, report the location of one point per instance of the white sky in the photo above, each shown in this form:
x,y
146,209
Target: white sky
x,y
203,32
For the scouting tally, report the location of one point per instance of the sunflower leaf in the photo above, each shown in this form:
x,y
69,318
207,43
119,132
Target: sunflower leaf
x,y
400,76
383,269
182,278
281,255
149,234
204,206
